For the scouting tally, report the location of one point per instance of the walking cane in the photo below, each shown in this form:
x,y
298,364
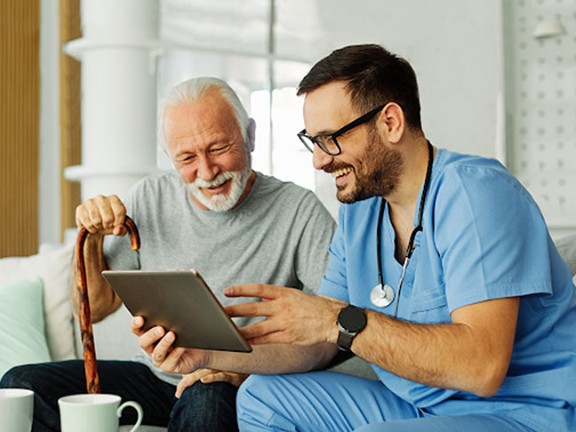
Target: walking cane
x,y
90,368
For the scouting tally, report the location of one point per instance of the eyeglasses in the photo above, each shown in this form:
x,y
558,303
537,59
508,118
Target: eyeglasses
x,y
328,142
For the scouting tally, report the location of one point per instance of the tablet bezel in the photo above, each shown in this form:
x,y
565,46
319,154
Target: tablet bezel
x,y
178,300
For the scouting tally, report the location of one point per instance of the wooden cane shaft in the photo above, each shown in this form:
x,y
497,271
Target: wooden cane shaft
x,y
90,366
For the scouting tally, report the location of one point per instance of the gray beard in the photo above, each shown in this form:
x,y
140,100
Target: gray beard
x,y
221,202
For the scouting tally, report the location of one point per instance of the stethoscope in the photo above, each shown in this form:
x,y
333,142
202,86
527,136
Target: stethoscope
x,y
382,295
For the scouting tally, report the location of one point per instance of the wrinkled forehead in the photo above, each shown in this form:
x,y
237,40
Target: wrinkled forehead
x,y
210,114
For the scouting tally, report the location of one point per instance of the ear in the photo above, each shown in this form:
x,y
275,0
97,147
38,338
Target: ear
x,y
392,117
251,135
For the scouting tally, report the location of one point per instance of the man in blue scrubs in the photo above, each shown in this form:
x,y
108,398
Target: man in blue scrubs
x,y
442,275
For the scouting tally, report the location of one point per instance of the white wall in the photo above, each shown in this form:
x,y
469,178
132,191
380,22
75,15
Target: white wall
x,y
541,84
455,47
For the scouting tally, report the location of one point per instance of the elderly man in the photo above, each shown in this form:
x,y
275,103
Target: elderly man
x,y
442,274
216,215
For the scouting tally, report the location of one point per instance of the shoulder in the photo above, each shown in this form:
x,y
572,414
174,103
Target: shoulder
x,y
480,197
283,190
476,178
288,198
456,164
164,181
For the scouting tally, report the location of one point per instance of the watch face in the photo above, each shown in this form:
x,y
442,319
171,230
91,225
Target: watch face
x,y
353,319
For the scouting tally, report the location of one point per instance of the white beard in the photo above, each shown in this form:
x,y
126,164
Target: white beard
x,y
221,202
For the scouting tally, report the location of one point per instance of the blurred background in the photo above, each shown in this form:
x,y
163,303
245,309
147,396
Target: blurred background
x,y
80,82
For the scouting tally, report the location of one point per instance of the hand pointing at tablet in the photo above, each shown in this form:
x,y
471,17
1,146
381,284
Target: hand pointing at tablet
x,y
290,314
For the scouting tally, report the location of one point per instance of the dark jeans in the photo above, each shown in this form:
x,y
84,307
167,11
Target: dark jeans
x,y
202,407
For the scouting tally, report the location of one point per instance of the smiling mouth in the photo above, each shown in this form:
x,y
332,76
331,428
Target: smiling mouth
x,y
217,187
341,172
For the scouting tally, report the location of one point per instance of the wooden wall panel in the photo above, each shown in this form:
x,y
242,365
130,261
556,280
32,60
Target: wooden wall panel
x,y
19,126
70,112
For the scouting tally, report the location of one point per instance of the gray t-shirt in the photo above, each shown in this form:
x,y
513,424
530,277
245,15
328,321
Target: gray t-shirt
x,y
279,234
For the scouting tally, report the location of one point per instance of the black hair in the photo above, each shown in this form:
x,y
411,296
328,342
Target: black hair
x,y
373,76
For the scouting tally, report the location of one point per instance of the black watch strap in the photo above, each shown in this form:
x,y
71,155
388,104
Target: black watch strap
x,y
345,340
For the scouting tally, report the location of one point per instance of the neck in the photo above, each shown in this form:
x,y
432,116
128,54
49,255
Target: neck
x,y
415,158
403,207
248,187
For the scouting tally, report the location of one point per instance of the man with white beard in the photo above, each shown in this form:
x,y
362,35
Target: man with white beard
x,y
214,214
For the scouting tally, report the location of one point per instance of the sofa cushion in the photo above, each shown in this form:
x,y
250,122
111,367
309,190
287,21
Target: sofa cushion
x,y
53,268
567,248
22,324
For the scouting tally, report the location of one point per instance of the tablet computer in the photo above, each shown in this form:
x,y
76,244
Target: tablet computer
x,y
180,301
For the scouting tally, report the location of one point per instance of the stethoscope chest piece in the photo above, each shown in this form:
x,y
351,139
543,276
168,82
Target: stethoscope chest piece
x,y
382,296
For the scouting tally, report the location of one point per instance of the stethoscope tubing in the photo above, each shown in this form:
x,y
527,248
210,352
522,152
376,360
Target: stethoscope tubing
x,y
410,248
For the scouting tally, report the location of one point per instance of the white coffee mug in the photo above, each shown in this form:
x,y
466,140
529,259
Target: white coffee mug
x,y
94,413
16,410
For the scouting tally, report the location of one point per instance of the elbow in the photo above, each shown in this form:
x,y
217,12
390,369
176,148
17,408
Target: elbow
x,y
487,382
99,308
99,312
487,389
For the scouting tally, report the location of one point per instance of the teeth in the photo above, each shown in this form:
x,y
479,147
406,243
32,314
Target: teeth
x,y
341,172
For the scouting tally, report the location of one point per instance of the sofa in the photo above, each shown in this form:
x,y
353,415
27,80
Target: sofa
x,y
36,318
37,324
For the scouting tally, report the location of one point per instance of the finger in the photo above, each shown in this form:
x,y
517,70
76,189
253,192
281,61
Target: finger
x,y
149,339
263,291
251,309
119,210
216,376
163,348
103,213
119,230
260,329
182,385
189,379
88,216
173,362
229,377
83,218
136,324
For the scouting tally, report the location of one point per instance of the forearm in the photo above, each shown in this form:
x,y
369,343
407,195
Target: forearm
x,y
103,300
454,355
274,359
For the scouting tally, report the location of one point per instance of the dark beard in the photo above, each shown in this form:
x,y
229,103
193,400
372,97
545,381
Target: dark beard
x,y
385,168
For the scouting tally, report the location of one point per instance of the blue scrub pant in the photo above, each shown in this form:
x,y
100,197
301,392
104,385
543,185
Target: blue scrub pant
x,y
327,401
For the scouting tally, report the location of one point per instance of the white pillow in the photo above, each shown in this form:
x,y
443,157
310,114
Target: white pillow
x,y
22,339
567,249
54,270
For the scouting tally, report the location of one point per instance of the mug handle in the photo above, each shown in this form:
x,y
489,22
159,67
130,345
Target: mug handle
x,y
138,409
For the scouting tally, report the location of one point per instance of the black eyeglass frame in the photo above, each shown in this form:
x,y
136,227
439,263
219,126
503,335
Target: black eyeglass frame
x,y
303,136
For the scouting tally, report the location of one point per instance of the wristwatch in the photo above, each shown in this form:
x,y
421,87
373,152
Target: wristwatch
x,y
351,321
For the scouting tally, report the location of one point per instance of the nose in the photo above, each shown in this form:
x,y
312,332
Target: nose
x,y
207,170
320,158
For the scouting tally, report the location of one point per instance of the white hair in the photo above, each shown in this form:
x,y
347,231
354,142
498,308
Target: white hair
x,y
192,90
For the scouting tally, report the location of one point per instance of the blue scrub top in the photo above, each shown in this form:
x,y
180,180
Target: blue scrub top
x,y
483,238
